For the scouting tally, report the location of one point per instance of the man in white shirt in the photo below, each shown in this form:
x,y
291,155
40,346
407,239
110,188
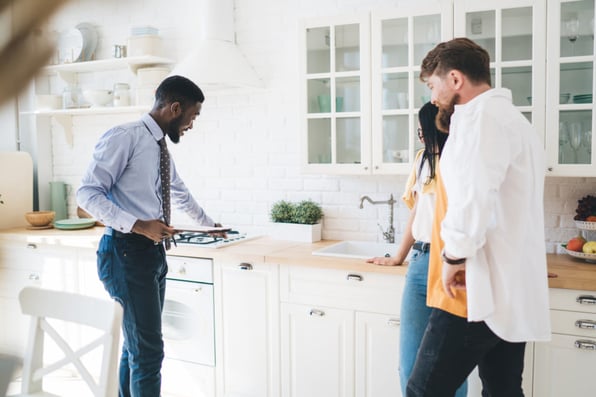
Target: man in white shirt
x,y
493,232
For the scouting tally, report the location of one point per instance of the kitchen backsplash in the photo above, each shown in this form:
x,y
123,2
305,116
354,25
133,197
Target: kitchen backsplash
x,y
243,153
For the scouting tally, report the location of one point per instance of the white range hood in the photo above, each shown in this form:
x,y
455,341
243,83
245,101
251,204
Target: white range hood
x,y
215,61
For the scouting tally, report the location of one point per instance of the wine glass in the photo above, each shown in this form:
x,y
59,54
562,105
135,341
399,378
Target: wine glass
x,y
575,137
572,31
563,140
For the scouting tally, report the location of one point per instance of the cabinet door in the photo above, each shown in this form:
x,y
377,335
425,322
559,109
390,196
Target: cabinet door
x,y
377,355
512,31
250,329
570,77
565,367
335,95
400,39
31,264
317,351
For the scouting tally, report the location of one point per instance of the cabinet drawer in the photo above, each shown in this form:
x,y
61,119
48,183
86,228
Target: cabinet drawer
x,y
576,300
373,292
573,323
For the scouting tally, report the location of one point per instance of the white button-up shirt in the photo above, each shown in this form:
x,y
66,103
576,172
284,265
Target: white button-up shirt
x,y
493,170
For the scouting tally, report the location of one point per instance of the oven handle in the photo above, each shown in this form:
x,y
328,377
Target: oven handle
x,y
245,266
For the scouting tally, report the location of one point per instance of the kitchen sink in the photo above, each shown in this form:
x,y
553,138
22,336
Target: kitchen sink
x,y
358,249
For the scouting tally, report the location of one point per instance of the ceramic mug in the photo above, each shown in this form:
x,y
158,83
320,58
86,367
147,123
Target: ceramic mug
x,y
58,194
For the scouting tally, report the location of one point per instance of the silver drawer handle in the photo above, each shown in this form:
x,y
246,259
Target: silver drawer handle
x,y
33,276
393,322
585,344
317,312
354,277
245,266
586,299
585,324
32,246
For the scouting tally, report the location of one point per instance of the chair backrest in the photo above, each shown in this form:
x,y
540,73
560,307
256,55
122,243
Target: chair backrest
x,y
103,315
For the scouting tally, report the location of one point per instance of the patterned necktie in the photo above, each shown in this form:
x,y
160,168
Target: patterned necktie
x,y
164,173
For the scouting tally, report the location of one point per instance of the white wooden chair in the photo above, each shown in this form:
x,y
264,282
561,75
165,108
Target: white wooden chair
x,y
103,315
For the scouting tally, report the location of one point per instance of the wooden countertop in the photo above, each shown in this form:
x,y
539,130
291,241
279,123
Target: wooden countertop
x,y
571,273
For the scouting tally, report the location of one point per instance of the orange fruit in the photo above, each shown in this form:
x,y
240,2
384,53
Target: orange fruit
x,y
576,244
591,218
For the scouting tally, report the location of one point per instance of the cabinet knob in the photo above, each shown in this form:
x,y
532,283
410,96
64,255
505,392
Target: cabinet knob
x,y
317,312
34,276
584,344
550,169
32,246
365,168
585,324
181,270
586,299
393,322
354,277
245,266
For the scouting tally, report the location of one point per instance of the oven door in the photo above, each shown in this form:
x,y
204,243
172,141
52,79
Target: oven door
x,y
188,322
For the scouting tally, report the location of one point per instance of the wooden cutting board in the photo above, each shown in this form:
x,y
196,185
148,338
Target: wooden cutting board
x,y
16,188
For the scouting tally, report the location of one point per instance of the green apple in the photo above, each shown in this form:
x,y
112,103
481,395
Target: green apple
x,y
589,247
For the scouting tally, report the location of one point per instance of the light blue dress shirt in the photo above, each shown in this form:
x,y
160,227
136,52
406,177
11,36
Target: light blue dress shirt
x,y
122,183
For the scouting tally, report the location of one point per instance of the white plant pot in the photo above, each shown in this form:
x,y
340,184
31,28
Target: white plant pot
x,y
296,232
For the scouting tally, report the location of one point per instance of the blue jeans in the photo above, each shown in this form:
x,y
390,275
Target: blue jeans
x,y
451,349
133,270
414,318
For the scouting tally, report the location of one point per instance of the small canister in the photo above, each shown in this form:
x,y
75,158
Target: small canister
x,y
121,94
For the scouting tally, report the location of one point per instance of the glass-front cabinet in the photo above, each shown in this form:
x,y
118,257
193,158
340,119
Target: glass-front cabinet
x,y
570,82
401,38
360,87
513,32
336,68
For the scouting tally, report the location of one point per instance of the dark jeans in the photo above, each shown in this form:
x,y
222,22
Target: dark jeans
x,y
452,347
133,271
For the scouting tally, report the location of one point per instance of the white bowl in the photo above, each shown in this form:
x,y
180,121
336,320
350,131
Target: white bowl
x,y
98,97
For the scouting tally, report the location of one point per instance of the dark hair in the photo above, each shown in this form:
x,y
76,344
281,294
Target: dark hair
x,y
433,138
178,89
460,54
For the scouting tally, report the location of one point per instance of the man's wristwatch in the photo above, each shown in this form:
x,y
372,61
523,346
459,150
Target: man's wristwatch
x,y
452,261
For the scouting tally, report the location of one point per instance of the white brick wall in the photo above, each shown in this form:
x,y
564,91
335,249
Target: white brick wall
x,y
243,153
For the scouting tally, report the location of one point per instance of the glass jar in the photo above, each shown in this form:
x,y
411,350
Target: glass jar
x,y
71,97
121,94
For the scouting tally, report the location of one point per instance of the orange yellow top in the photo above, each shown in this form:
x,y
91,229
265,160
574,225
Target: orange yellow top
x,y
436,296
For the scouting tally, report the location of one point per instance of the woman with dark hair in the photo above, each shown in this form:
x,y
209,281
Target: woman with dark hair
x,y
419,196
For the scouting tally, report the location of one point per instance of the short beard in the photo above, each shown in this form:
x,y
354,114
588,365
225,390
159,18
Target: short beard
x,y
443,119
173,130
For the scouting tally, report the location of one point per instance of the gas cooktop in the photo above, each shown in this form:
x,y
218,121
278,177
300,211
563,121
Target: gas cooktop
x,y
210,241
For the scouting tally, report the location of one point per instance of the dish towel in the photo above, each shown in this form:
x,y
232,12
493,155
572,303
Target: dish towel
x,y
164,173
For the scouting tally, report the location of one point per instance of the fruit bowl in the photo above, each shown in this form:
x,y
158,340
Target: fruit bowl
x,y
591,258
583,225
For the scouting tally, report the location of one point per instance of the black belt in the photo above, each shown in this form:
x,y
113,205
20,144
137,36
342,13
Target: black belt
x,y
421,246
115,233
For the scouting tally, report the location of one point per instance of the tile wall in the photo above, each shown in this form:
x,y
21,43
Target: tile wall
x,y
243,153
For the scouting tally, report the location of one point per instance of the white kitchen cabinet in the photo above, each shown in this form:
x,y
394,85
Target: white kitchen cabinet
x,y
317,351
570,87
377,349
401,37
248,313
24,264
564,366
339,332
360,89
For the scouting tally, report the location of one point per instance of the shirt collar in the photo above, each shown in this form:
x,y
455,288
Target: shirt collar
x,y
493,92
153,127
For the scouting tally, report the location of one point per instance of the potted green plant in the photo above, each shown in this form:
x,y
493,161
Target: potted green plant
x,y
296,221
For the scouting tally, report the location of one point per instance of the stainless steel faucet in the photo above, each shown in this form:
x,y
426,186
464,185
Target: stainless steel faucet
x,y
389,234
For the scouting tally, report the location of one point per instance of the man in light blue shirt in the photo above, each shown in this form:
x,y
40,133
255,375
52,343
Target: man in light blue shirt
x,y
123,189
